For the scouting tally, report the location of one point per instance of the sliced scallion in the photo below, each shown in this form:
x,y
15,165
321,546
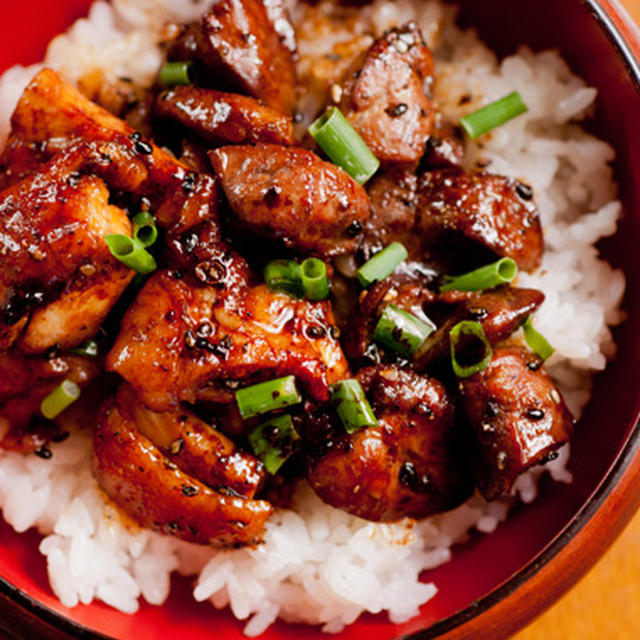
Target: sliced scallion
x,y
536,341
274,441
173,74
65,394
89,348
130,252
493,115
352,405
315,283
383,264
267,396
487,277
144,229
341,142
401,331
284,276
464,340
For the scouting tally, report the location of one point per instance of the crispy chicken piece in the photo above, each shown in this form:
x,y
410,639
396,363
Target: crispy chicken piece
x,y
195,447
517,418
179,340
383,96
409,465
291,195
58,279
24,382
224,118
160,496
488,209
240,48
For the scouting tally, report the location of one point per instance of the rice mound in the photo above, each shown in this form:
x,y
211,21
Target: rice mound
x,y
320,565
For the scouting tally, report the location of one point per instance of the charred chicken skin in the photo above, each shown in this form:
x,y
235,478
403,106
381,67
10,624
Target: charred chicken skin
x,y
174,447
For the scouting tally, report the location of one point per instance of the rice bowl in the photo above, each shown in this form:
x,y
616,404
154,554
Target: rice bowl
x,y
80,526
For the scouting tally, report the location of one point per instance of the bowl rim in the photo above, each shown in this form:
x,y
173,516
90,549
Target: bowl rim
x,y
478,620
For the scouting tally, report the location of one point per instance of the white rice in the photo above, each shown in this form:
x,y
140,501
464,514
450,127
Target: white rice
x,y
319,565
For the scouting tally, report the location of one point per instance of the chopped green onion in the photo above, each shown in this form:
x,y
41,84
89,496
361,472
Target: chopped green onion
x,y
285,276
144,229
59,399
401,331
89,348
493,115
176,73
267,396
341,142
130,252
536,341
487,277
458,344
315,283
352,405
274,441
383,264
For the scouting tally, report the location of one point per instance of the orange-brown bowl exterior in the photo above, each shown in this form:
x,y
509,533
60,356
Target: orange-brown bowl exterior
x,y
495,584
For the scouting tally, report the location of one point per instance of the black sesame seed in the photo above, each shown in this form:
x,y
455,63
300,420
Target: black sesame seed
x,y
492,409
44,453
524,191
354,229
398,110
315,331
535,414
189,491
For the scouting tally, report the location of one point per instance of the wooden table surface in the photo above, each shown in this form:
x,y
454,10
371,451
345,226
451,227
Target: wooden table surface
x,y
605,605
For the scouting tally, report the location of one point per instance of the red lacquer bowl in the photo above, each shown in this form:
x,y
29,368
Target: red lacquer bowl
x,y
495,584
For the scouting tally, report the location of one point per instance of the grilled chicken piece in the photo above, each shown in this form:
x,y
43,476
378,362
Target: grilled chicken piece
x,y
55,116
179,340
195,447
58,118
24,382
239,47
291,195
383,96
158,495
409,465
517,417
58,279
488,209
500,311
224,118
393,197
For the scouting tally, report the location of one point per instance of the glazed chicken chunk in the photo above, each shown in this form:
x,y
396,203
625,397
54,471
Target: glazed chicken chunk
x,y
292,195
517,417
409,465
